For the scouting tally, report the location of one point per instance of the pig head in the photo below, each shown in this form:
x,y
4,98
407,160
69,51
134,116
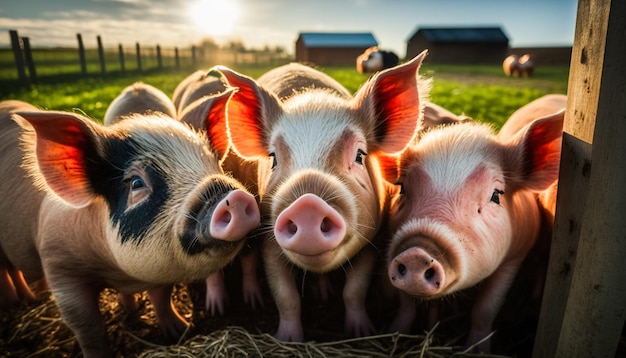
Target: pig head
x,y
321,191
467,212
138,205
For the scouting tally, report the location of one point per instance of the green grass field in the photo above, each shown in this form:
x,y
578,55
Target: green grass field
x,y
479,91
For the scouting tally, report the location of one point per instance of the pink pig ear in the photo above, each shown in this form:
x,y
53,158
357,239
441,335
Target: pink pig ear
x,y
392,100
63,143
250,112
535,153
389,167
209,114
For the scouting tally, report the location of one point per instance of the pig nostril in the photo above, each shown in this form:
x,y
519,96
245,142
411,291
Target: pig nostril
x,y
401,269
327,225
226,217
292,227
430,273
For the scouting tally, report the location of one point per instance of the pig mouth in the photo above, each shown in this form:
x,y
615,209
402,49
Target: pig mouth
x,y
319,263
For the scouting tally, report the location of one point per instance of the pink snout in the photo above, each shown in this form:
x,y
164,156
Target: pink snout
x,y
417,273
309,226
235,216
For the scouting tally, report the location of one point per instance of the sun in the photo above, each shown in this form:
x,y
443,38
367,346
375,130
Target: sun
x,y
214,17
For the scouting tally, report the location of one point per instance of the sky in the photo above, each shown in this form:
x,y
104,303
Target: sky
x,y
260,23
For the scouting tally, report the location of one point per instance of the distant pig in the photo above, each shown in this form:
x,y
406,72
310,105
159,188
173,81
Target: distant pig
x,y
138,205
194,98
518,66
139,98
468,211
322,195
374,60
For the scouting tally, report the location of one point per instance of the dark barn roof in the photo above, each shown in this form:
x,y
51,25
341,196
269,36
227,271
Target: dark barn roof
x,y
337,39
462,34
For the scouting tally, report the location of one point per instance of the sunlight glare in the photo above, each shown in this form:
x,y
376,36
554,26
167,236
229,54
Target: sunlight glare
x,y
214,17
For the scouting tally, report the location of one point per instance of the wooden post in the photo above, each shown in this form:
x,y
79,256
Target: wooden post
x,y
120,50
584,306
176,57
81,55
138,50
159,58
193,56
19,58
30,63
103,69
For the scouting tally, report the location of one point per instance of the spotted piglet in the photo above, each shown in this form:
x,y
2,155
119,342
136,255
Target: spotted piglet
x,y
322,195
468,211
137,205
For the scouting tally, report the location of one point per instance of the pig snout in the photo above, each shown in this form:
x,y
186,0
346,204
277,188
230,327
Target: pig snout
x,y
234,216
416,272
309,226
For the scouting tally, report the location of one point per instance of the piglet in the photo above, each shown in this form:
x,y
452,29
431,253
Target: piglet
x,y
468,211
138,205
194,97
322,195
139,98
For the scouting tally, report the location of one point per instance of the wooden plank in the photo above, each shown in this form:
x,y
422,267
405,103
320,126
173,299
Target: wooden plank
x,y
19,58
586,317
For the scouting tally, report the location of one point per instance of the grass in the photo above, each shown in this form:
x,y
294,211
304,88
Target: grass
x,y
479,91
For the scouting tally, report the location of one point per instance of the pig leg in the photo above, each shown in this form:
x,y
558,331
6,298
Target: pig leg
x,y
407,311
216,296
78,304
357,321
172,324
282,282
8,292
324,288
488,302
252,294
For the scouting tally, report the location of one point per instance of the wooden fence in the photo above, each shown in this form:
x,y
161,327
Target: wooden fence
x,y
25,64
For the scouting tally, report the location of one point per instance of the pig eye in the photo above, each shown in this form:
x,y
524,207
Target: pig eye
x,y
359,156
495,197
137,183
273,156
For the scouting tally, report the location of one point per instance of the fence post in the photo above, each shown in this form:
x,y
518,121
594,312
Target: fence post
x,y
81,55
159,59
176,57
28,56
138,49
193,55
121,52
19,58
103,70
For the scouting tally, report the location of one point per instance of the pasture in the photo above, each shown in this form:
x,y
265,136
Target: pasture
x,y
479,91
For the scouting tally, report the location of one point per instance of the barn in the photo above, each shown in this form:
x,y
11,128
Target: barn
x,y
462,45
332,48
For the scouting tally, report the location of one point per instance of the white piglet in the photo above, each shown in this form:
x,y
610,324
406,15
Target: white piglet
x,y
322,194
139,98
468,211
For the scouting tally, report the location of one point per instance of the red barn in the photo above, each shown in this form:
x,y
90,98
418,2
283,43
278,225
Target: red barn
x,y
332,49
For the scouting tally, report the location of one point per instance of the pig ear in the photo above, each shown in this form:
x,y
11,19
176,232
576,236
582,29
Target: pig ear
x,y
250,113
389,167
392,100
64,143
209,114
535,153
